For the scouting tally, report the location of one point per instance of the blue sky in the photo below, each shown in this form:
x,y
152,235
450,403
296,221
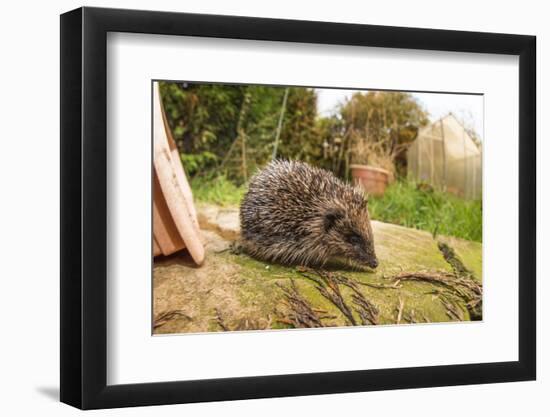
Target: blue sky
x,y
467,108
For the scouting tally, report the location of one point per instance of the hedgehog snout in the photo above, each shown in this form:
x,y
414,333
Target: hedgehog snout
x,y
364,256
372,263
369,260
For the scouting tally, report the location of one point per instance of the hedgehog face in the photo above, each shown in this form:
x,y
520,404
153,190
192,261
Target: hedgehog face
x,y
349,232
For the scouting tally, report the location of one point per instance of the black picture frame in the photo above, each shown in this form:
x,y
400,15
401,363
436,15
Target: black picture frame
x,y
84,207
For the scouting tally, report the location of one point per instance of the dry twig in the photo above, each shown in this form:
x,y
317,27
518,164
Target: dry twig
x,y
400,310
464,287
366,310
328,287
164,317
300,314
220,320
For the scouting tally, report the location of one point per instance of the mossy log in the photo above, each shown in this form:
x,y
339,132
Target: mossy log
x,y
414,283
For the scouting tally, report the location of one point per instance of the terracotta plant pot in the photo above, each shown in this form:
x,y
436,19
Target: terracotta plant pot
x,y
175,225
373,180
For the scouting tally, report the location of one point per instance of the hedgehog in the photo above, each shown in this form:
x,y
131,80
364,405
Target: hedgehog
x,y
296,214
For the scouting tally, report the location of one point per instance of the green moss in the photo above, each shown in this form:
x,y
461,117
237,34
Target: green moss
x,y
420,300
247,289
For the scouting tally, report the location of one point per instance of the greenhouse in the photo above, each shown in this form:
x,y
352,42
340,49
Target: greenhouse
x,y
445,156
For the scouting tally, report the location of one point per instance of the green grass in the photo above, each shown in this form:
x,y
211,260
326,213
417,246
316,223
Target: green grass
x,y
218,191
434,211
404,204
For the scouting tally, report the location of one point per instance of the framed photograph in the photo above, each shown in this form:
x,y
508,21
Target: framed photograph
x,y
259,208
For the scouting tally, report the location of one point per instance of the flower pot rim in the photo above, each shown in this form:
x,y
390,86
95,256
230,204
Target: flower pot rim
x,y
369,168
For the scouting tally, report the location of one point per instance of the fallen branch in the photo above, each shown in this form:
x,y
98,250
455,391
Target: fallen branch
x,y
454,312
162,318
327,285
400,310
367,311
220,321
460,284
466,288
394,286
300,313
454,261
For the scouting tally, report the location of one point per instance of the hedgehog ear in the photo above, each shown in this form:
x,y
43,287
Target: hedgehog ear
x,y
331,217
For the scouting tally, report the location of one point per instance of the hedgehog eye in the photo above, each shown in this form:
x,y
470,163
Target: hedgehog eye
x,y
355,239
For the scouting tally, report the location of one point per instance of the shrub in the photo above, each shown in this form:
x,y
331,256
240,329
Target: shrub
x,y
422,208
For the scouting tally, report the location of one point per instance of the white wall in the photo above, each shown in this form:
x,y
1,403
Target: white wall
x,y
29,111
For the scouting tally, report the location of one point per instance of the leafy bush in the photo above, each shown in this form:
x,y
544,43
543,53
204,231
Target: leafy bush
x,y
196,163
218,190
422,208
230,129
